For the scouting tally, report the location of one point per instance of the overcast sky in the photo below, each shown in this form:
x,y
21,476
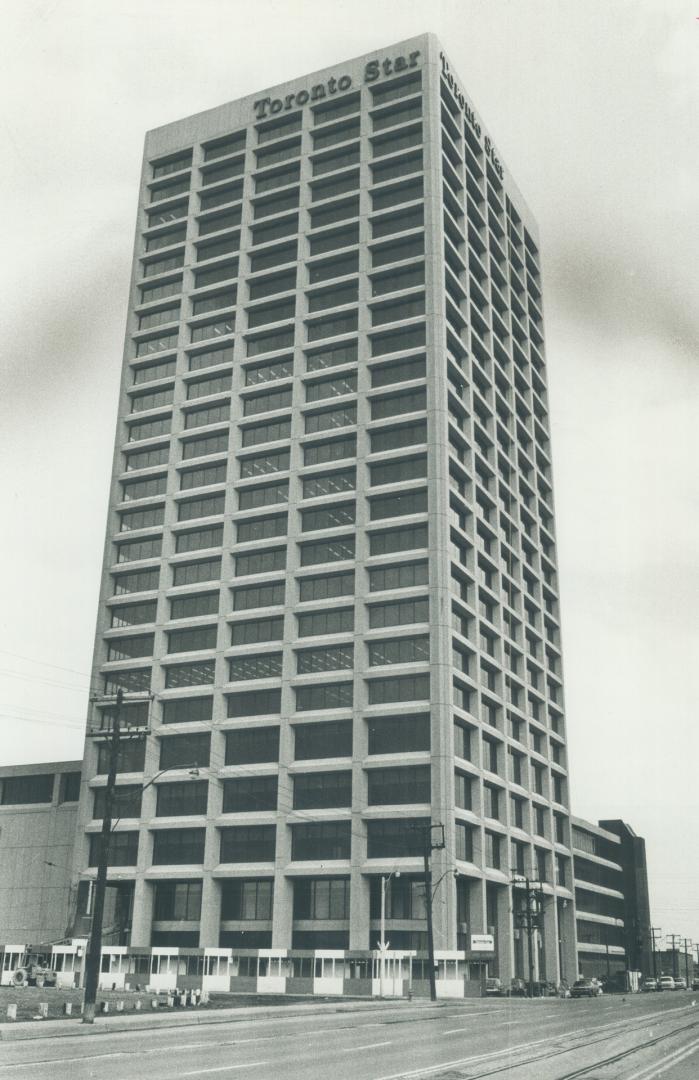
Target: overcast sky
x,y
594,108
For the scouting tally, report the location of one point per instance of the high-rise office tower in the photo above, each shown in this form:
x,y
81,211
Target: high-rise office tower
x,y
330,572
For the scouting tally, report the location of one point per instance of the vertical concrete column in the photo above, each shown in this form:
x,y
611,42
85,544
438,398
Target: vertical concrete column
x,y
142,922
210,912
283,907
567,938
506,957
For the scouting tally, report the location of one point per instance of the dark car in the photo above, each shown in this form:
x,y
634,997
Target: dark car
x,y
586,988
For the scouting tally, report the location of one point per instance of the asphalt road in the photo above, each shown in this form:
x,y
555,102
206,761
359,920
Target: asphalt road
x,y
643,1037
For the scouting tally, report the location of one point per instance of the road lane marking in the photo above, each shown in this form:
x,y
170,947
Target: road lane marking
x,y
651,1071
367,1046
226,1068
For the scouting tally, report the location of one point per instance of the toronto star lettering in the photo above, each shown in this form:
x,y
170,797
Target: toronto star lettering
x,y
471,117
372,70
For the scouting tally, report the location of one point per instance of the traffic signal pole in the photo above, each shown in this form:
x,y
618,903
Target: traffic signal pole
x,y
94,949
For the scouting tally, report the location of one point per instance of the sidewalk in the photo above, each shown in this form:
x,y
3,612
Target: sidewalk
x,y
190,1017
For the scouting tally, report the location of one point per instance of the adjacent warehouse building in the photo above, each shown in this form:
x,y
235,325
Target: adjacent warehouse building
x,y
38,821
611,897
330,589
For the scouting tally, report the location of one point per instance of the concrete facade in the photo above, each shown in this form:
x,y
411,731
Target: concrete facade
x,y
330,576
38,819
611,896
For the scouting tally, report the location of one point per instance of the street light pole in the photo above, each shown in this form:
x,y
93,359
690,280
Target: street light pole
x,y
383,944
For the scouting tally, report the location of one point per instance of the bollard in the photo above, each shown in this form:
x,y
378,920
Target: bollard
x,y
43,1009
154,1003
67,1008
137,1006
104,1006
11,1012
120,1006
170,1001
204,997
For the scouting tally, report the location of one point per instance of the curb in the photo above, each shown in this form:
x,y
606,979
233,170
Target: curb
x,y
26,1031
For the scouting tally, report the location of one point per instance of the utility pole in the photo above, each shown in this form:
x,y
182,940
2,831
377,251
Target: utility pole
x,y
675,952
428,846
94,949
529,919
653,931
686,942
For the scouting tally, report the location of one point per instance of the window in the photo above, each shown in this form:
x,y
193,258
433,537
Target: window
x,y
163,369
327,696
130,757
319,790
182,799
268,342
215,357
69,790
127,648
213,301
336,387
126,802
333,239
337,185
339,159
265,666
23,790
131,682
148,429
320,841
209,506
401,838
271,431
328,484
228,144
540,816
256,596
212,414
212,384
261,528
389,787
142,489
141,519
338,266
322,898
192,572
398,505
399,613
317,623
406,402
387,374
397,310
177,901
252,746
247,793
400,576
491,801
248,843
133,614
190,674
327,517
492,850
394,472
385,198
256,631
327,740
177,847
252,498
384,543
328,658
185,751
123,849
277,178
203,477
197,539
321,551
517,812
331,418
172,164
247,900
399,688
399,734
254,703
463,841
329,585
260,562
462,791
319,453
268,313
186,607
399,651
146,459
187,710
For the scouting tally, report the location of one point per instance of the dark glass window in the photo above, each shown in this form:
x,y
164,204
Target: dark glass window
x,y
396,839
247,793
254,703
69,790
322,898
185,751
248,843
188,797
318,790
123,849
331,739
17,790
188,710
126,803
247,900
399,734
177,901
178,847
404,785
252,746
130,758
321,840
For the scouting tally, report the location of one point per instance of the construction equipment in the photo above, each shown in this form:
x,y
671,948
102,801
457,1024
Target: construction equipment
x,y
34,969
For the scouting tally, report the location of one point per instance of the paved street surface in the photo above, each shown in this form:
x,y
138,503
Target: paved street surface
x,y
641,1037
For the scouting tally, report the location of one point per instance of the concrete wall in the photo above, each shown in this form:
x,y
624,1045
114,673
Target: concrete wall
x,y
36,851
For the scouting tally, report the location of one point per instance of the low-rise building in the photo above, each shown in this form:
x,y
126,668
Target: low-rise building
x,y
611,899
38,819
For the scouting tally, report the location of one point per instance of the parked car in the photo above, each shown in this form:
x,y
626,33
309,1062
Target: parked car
x,y
680,983
586,988
518,988
666,982
695,982
648,985
493,987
